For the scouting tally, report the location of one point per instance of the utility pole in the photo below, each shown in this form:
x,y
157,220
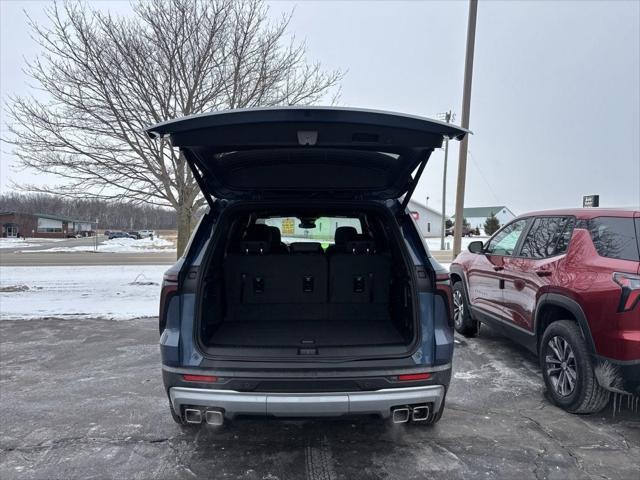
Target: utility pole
x,y
448,118
466,107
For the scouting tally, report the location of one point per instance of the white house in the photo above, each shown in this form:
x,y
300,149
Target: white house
x,y
476,216
429,220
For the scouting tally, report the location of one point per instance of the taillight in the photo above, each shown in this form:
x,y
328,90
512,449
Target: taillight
x,y
170,276
443,286
409,377
169,288
630,285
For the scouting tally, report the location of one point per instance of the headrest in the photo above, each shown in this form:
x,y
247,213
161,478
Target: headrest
x,y
257,239
275,235
344,234
258,231
255,246
360,246
305,247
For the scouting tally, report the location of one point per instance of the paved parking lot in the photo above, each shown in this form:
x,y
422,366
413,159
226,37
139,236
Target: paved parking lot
x,y
83,399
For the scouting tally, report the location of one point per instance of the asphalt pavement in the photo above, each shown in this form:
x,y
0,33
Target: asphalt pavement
x,y
84,399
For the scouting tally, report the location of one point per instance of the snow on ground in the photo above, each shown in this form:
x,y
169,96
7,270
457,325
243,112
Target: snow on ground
x,y
120,245
29,242
116,292
434,242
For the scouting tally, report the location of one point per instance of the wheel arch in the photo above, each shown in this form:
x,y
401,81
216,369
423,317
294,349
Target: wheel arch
x,y
550,308
456,274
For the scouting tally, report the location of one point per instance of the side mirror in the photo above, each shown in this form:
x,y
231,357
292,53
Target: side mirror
x,y
476,247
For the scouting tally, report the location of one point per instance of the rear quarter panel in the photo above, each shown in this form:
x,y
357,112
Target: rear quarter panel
x,y
588,278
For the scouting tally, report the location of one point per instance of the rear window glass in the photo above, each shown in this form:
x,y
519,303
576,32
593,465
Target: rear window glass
x,y
614,237
548,236
323,229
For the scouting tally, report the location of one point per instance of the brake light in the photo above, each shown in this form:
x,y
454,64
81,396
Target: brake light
x,y
630,285
409,377
200,378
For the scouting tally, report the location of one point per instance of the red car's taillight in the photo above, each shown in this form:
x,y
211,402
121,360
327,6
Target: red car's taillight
x,y
630,285
169,288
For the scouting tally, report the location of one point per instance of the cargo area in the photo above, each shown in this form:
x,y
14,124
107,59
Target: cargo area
x,y
330,286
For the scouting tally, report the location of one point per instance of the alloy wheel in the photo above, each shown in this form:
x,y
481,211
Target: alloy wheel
x,y
560,365
458,308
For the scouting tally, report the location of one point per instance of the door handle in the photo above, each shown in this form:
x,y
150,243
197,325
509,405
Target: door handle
x,y
543,273
497,269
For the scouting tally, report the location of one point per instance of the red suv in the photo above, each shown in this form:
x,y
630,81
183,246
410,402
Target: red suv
x,y
566,284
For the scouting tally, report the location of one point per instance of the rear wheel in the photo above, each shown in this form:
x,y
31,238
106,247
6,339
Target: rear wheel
x,y
568,371
462,321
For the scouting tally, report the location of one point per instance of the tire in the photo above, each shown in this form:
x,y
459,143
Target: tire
x,y
462,321
568,371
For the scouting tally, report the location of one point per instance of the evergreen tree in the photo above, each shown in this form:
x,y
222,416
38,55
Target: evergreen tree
x,y
491,225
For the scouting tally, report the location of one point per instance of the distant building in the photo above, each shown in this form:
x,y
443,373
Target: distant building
x,y
429,220
40,225
476,216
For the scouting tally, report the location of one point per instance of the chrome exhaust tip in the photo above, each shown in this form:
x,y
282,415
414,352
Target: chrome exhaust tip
x,y
192,415
400,415
214,417
420,413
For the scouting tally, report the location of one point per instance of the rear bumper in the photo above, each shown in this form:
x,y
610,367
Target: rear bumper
x,y
316,404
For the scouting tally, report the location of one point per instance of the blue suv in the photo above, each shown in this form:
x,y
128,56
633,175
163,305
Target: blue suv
x,y
306,290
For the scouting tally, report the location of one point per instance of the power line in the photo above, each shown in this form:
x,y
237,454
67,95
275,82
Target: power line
x,y
495,197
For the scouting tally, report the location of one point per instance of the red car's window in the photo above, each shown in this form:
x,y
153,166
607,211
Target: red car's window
x,y
614,237
505,241
547,237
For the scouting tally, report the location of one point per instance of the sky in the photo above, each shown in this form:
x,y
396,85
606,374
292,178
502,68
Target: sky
x,y
555,109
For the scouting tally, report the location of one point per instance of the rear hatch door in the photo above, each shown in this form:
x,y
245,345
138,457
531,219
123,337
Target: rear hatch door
x,y
305,151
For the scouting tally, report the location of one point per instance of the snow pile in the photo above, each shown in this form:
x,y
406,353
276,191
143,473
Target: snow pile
x,y
121,245
116,292
16,243
21,243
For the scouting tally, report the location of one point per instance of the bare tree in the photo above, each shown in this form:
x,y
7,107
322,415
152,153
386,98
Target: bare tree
x,y
106,77
108,214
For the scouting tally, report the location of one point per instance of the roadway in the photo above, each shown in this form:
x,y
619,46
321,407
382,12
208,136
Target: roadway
x,y
37,256
12,259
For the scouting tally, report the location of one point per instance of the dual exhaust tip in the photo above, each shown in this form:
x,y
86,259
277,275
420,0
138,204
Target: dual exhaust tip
x,y
415,413
196,415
